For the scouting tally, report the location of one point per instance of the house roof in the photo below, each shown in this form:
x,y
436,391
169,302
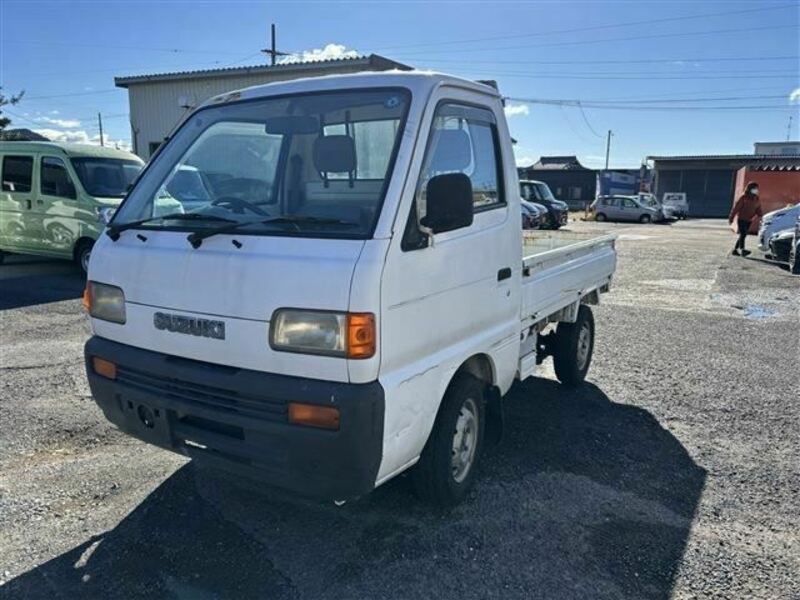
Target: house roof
x,y
559,163
777,166
752,157
371,61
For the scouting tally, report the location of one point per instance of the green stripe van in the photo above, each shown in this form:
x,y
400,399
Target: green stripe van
x,y
56,198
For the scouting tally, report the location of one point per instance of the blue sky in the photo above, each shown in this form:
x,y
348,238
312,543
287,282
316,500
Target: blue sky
x,y
66,54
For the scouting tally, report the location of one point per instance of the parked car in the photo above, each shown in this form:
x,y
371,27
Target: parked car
x,y
327,346
651,200
624,208
56,198
780,245
539,192
677,202
794,252
533,214
775,221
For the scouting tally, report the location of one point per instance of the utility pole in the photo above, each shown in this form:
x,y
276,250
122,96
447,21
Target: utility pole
x,y
789,130
272,50
608,147
100,123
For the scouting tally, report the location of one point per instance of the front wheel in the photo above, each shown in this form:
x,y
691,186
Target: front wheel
x,y
574,346
794,260
83,252
446,469
600,217
645,219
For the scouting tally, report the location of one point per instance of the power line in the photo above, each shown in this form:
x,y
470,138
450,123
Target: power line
x,y
577,103
617,62
651,77
617,39
586,120
123,47
648,22
67,95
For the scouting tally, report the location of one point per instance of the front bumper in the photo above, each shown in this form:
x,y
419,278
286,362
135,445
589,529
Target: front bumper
x,y
236,419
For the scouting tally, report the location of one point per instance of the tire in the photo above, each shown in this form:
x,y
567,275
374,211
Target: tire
x,y
600,217
645,219
83,251
441,477
2,257
794,260
573,349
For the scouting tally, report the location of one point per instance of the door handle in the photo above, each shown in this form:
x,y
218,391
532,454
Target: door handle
x,y
504,274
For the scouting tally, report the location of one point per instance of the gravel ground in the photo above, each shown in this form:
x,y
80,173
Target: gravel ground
x,y
674,473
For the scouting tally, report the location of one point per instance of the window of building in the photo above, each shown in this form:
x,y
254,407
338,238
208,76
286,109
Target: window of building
x,y
55,179
17,173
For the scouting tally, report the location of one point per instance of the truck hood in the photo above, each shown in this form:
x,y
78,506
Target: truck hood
x,y
241,287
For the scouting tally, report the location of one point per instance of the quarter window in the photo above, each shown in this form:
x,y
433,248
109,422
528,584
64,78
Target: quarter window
x,y
17,173
55,179
464,139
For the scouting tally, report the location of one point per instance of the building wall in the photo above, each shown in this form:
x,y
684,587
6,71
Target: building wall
x,y
155,109
776,189
709,191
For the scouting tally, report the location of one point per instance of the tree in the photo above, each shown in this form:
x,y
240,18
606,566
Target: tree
x,y
12,100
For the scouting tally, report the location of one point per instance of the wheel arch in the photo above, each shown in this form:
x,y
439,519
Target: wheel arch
x,y
84,239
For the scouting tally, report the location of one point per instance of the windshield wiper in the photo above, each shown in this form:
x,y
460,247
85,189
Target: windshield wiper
x,y
196,238
113,231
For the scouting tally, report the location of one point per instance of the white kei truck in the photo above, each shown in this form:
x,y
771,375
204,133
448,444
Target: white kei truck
x,y
346,293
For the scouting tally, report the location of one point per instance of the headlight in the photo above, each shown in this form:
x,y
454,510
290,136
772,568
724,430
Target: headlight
x,y
106,302
104,215
346,335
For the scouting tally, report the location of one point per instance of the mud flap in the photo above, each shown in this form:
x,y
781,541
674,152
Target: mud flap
x,y
493,433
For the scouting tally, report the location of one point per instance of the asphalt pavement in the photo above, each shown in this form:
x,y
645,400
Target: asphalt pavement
x,y
675,472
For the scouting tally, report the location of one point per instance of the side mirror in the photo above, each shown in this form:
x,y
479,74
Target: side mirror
x,y
448,203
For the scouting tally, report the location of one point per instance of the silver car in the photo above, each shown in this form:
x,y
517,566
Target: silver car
x,y
625,208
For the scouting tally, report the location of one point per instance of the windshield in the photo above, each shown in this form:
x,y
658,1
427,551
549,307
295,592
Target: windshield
x,y
309,165
106,177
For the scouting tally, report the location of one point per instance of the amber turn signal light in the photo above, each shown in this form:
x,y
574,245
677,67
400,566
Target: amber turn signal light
x,y
87,297
312,415
104,368
360,335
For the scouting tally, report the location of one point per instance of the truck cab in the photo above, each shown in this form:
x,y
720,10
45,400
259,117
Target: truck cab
x,y
349,296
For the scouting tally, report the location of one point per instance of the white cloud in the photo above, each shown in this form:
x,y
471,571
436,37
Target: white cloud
x,y
329,52
513,110
524,161
794,97
65,123
79,136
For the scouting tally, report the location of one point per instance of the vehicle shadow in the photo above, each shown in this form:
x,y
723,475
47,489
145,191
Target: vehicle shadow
x,y
584,497
28,281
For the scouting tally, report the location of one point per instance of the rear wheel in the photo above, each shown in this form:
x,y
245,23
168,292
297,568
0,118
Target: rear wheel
x,y
645,219
83,252
600,217
574,346
446,469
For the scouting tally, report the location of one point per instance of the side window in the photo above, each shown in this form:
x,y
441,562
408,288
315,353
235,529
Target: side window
x,y
55,179
526,192
17,173
627,203
464,139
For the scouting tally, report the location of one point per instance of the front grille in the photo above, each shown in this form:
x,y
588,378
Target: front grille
x,y
204,396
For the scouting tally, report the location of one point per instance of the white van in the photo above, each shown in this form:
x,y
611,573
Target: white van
x,y
353,300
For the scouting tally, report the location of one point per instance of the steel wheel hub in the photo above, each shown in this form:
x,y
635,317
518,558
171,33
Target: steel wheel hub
x,y
584,344
465,440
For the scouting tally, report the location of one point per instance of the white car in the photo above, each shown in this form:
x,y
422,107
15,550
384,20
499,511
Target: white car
x,y
775,221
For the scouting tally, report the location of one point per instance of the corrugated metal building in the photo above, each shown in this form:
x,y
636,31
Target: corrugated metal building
x,y
158,102
708,181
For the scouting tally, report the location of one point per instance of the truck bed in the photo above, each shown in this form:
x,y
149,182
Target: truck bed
x,y
562,267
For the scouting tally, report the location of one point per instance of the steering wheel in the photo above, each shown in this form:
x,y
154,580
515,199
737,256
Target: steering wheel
x,y
238,205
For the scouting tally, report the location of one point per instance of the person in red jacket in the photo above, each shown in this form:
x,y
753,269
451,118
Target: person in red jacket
x,y
744,210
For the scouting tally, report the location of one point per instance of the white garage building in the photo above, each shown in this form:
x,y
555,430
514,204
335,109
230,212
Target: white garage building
x,y
158,102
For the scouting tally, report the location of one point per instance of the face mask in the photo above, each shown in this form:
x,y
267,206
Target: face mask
x,y
754,191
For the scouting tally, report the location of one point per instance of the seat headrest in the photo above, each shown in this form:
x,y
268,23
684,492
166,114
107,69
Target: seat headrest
x,y
453,151
334,154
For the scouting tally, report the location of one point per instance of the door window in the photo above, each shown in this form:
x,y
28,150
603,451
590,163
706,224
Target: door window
x,y
55,179
17,173
628,203
464,140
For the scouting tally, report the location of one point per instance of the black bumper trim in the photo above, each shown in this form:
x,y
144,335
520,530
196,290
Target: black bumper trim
x,y
236,419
